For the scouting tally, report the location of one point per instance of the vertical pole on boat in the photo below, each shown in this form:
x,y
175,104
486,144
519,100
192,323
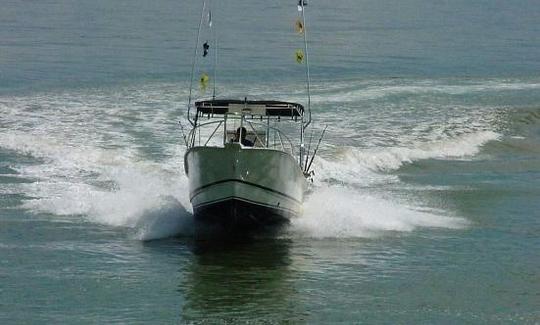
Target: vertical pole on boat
x,y
308,148
308,79
195,129
215,67
194,62
301,153
306,170
301,8
214,32
242,120
224,129
267,131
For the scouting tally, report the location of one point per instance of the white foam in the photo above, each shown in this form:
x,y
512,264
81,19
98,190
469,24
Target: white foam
x,y
92,167
149,197
355,91
337,212
150,206
64,155
141,195
169,218
351,91
392,158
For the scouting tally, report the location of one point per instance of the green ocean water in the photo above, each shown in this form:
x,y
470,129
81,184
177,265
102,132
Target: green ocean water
x,y
426,199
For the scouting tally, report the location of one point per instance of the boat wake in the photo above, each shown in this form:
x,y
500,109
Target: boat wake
x,y
347,200
166,219
151,199
83,157
364,166
336,212
344,92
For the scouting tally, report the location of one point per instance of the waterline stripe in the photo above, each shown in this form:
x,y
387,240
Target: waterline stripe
x,y
198,190
247,201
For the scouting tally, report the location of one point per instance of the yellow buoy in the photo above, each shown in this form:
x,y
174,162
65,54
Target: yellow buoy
x,y
299,56
299,26
203,82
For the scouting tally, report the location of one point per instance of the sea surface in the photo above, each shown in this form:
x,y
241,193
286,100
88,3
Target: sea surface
x,y
425,207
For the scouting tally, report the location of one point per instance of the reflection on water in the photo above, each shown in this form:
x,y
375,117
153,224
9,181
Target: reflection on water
x,y
236,279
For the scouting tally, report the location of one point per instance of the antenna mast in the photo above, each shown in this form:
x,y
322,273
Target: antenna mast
x,y
194,62
301,6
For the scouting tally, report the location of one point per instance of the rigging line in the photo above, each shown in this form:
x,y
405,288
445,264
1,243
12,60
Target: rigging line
x,y
194,61
308,81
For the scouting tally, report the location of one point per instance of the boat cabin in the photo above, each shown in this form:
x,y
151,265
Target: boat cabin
x,y
252,123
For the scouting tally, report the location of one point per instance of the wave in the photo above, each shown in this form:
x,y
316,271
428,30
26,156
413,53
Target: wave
x,y
138,199
114,187
90,165
354,91
392,158
338,212
369,167
152,202
154,205
167,219
107,186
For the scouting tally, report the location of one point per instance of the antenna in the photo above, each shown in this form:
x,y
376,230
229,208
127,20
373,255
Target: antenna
x,y
302,5
194,62
214,32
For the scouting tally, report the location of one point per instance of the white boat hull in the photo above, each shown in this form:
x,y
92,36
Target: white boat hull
x,y
244,187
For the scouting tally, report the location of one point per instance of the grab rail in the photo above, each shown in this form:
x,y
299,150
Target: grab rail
x,y
286,145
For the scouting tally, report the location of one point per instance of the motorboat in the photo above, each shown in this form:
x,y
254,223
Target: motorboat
x,y
246,159
243,170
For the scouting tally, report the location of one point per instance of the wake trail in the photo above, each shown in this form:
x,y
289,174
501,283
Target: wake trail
x,y
93,161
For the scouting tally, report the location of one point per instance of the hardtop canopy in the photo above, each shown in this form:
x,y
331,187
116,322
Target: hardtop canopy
x,y
253,107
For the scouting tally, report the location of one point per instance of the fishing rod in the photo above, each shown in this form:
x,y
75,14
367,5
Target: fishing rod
x,y
301,7
183,133
308,148
194,62
315,151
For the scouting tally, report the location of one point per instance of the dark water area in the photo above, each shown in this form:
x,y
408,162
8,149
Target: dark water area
x,y
63,44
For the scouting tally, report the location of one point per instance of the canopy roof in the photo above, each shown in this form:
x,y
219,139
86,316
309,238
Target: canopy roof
x,y
253,107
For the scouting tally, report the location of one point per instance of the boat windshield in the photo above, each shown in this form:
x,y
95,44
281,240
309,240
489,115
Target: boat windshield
x,y
251,131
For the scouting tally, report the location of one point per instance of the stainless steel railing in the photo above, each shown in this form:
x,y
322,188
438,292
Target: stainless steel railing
x,y
274,138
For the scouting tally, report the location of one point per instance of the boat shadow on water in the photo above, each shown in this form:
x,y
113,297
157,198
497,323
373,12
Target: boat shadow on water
x,y
232,276
238,278
237,233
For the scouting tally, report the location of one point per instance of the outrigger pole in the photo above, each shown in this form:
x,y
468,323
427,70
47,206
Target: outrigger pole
x,y
306,170
194,62
301,5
